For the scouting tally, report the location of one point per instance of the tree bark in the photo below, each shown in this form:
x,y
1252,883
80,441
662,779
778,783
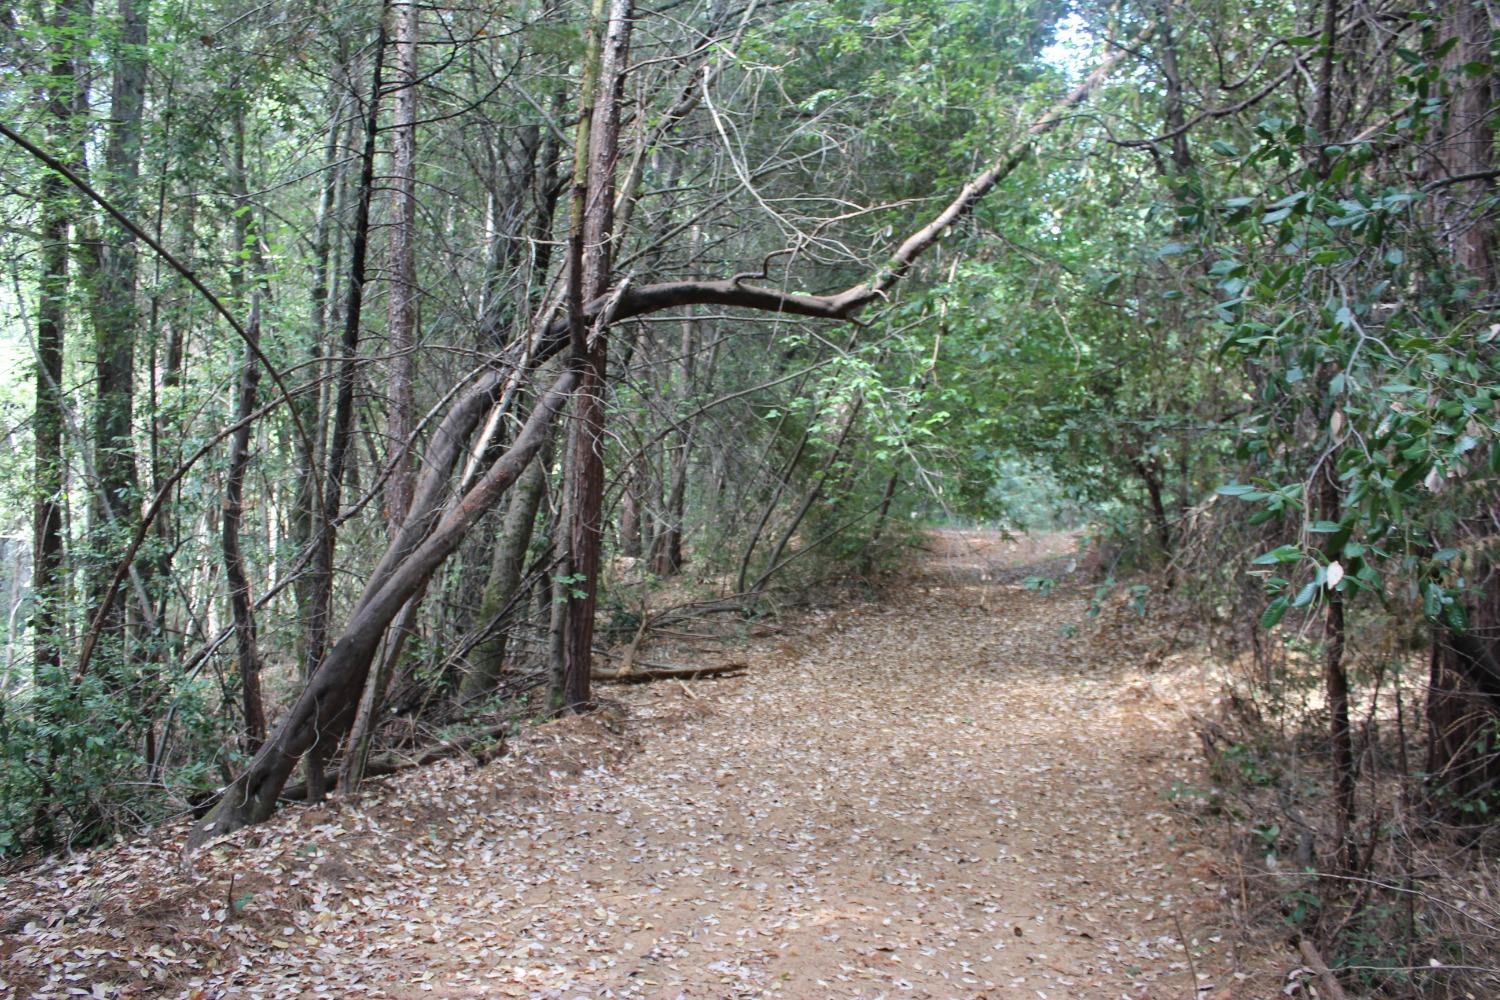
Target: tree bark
x,y
341,435
1463,695
1336,691
1151,477
631,502
241,605
306,512
1330,508
782,482
488,660
666,547
590,267
402,315
325,709
401,323
1466,144
48,583
315,636
111,268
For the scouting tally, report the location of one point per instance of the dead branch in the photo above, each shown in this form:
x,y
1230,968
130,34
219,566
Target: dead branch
x,y
395,763
662,672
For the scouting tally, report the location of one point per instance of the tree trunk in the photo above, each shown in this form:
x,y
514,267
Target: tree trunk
x,y
315,636
782,481
1465,147
882,518
372,699
1151,477
111,278
590,267
48,580
402,316
310,408
630,513
666,548
1330,508
401,323
1463,697
242,607
341,435
488,660
323,712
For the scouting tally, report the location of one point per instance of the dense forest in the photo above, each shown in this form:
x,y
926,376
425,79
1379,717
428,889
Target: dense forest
x,y
379,378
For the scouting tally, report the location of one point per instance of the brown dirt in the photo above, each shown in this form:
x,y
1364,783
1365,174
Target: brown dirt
x,y
932,795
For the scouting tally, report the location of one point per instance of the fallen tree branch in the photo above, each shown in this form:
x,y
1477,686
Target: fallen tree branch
x,y
395,763
1326,979
661,672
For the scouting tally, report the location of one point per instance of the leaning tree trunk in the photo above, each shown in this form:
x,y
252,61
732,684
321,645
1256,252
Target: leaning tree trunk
x,y
774,562
501,589
325,709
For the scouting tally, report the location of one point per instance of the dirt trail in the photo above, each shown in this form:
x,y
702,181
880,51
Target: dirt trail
x,y
933,796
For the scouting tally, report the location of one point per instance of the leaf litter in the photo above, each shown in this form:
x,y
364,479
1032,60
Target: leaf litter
x,y
933,794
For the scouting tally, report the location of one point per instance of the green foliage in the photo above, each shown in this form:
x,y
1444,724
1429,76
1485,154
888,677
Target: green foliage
x,y
72,756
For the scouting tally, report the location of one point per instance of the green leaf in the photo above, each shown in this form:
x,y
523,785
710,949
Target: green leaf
x,y
1432,600
1280,554
1307,593
1274,612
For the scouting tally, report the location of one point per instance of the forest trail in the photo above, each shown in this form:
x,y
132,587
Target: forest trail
x,y
935,795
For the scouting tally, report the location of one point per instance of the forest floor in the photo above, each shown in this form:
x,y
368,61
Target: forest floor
x,y
933,793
